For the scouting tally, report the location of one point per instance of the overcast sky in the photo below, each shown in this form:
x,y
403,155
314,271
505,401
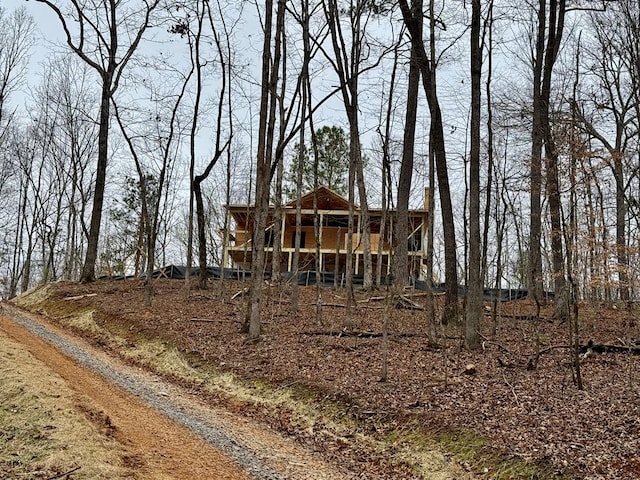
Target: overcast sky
x,y
453,90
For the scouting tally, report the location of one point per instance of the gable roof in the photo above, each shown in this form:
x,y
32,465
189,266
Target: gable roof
x,y
327,200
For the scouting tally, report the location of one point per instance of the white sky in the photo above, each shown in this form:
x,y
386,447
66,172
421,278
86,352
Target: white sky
x,y
453,91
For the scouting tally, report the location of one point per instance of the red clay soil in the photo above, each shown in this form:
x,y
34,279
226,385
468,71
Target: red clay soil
x,y
532,413
159,447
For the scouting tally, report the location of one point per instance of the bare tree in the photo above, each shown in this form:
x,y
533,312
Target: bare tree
x,y
401,231
349,61
279,124
65,101
385,142
157,138
69,87
219,148
474,286
16,40
270,69
427,62
105,35
609,115
40,184
10,74
489,27
303,17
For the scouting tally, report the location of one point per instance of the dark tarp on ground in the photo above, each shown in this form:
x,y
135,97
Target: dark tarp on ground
x,y
488,294
178,272
310,277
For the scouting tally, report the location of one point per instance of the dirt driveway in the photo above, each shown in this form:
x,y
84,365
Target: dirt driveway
x,y
167,430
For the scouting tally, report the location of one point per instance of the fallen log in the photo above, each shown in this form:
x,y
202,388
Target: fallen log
x,y
633,348
586,351
358,334
342,305
402,301
523,318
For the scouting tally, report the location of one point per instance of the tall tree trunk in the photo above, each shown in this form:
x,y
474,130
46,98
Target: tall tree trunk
x,y
400,250
556,27
437,144
349,267
197,67
534,279
621,235
432,321
490,147
298,232
263,163
561,311
201,232
549,38
386,172
305,102
219,149
474,287
347,64
276,253
355,149
89,268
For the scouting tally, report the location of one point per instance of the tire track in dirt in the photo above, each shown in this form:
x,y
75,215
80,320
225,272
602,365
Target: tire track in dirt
x,y
172,435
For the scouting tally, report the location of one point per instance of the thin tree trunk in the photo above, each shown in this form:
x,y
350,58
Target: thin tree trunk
x,y
386,173
490,146
277,222
295,289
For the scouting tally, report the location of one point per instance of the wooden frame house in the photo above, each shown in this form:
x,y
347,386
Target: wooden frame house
x,y
333,216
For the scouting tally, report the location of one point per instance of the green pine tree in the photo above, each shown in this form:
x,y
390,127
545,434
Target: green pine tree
x,y
332,145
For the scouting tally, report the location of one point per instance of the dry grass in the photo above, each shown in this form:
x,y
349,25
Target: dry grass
x,y
42,430
164,358
35,296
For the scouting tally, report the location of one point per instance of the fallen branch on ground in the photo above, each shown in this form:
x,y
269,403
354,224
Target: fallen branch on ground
x,y
65,474
532,363
607,347
342,305
402,301
211,320
78,297
244,291
351,333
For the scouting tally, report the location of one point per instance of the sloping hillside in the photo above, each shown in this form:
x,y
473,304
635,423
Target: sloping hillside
x,y
489,411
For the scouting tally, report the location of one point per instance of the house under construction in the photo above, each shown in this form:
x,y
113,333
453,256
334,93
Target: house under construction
x,y
332,213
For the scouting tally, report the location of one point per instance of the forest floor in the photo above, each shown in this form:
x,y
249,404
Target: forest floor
x,y
509,410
